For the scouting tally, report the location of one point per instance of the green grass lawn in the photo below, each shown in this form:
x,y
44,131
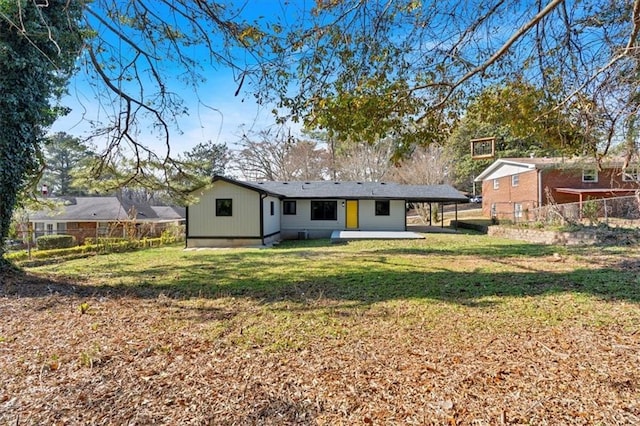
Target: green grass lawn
x,y
455,328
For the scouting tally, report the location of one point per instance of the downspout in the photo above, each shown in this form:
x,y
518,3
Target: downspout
x,y
186,225
263,196
539,188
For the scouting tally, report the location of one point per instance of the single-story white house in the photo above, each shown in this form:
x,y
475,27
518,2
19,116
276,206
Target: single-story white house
x,y
231,213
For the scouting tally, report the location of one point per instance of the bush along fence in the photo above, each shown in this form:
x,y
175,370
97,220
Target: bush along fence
x,y
91,247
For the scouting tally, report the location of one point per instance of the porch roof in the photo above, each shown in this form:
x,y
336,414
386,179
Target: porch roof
x,y
600,191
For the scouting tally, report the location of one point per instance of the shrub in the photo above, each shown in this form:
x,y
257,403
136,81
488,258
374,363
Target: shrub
x,y
104,240
51,242
84,250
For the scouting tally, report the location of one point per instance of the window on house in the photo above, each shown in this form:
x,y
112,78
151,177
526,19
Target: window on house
x,y
38,229
383,208
49,228
273,208
517,210
324,210
224,207
589,175
61,227
515,180
496,184
289,207
102,228
632,174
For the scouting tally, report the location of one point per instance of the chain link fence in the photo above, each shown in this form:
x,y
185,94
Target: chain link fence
x,y
616,212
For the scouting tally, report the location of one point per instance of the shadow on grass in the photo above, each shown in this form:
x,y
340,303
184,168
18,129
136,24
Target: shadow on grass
x,y
369,275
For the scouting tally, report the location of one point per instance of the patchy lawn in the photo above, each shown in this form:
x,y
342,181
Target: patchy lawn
x,y
455,329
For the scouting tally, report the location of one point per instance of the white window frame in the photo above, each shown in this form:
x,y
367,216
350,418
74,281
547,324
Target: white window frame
x,y
590,175
515,180
517,210
496,184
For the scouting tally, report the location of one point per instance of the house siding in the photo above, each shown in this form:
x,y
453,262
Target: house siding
x,y
293,224
531,191
243,223
394,222
271,222
572,178
504,198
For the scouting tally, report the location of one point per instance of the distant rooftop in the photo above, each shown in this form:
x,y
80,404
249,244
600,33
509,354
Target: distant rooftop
x,y
99,209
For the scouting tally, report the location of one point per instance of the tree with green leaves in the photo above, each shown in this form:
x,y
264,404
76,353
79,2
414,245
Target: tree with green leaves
x,y
206,160
523,122
407,69
62,154
362,71
38,48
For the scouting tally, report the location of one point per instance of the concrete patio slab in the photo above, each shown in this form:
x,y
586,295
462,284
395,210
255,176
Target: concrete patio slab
x,y
339,236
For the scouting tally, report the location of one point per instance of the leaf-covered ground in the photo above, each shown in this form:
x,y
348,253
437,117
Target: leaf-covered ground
x,y
453,330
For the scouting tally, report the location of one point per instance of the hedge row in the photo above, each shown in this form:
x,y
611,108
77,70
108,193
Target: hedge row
x,y
114,247
58,241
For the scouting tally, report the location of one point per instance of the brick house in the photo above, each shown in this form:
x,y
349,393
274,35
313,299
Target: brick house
x,y
91,217
513,186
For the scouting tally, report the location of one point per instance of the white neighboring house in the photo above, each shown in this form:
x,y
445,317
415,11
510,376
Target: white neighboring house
x,y
232,213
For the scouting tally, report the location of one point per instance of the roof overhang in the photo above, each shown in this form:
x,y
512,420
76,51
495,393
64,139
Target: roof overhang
x,y
500,163
242,184
599,191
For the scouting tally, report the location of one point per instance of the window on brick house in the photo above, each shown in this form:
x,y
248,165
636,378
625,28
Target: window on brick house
x,y
590,175
496,184
517,210
515,180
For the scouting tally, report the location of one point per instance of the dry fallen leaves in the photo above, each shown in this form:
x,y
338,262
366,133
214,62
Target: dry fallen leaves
x,y
132,360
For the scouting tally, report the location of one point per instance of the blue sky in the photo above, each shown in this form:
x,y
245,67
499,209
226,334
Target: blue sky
x,y
219,116
215,113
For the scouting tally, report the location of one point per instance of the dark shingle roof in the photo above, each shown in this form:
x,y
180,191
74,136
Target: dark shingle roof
x,y
359,190
92,209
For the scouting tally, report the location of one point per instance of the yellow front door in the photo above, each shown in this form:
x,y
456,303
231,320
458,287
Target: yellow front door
x,y
352,214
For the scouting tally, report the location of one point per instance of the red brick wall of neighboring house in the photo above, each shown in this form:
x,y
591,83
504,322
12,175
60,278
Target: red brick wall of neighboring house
x,y
526,193
84,230
572,178
81,230
501,202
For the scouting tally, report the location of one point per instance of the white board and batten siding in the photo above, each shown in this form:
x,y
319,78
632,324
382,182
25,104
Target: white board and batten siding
x,y
271,221
367,219
291,225
244,222
395,221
